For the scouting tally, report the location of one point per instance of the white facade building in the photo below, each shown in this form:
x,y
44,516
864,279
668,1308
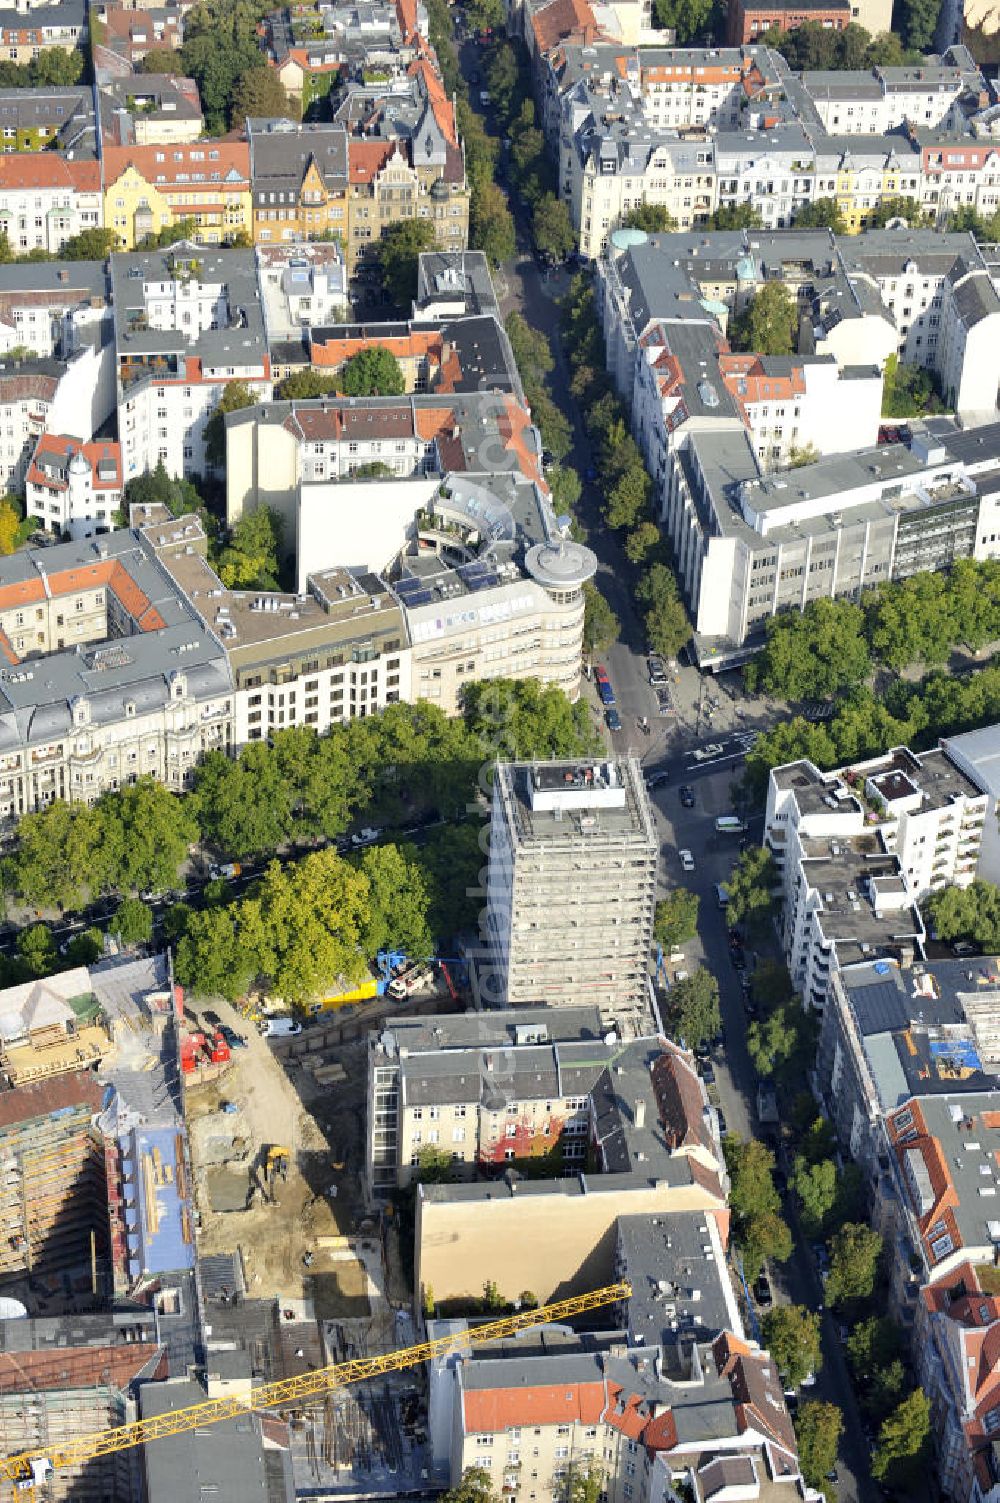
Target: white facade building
x,y
187,323
74,487
856,851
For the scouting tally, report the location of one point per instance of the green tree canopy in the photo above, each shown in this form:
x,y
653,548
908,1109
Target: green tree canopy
x,y
812,654
749,886
676,918
56,852
250,560
259,93
693,1004
653,218
476,1486
967,913
601,626
854,1257
815,1187
821,213
758,1229
667,625
527,719
904,1441
145,834
398,904
818,1426
236,395
552,228
133,922
792,1336
400,246
37,951
769,325
210,958
372,372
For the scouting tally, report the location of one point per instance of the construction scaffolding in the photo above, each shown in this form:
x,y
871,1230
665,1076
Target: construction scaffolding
x,y
53,1178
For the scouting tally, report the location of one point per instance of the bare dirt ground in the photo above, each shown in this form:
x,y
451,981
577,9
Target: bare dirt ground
x,y
274,1236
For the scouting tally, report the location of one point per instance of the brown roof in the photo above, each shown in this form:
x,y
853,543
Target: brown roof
x,y
44,1097
680,1101
78,1367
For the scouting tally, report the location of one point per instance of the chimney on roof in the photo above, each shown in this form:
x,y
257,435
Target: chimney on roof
x,y
639,1112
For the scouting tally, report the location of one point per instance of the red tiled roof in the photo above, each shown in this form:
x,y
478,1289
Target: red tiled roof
x,y
334,348
441,105
47,169
490,1410
94,453
365,159
561,19
185,164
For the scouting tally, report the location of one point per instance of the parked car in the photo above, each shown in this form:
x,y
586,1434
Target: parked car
x,y
657,670
686,860
762,1292
706,1070
233,1039
723,1129
604,689
791,1402
365,836
211,1019
657,780
613,720
280,1028
687,796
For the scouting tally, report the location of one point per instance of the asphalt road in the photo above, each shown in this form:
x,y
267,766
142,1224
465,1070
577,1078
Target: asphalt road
x,y
704,745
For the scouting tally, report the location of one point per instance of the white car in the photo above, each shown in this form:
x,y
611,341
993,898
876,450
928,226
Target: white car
x,y
687,860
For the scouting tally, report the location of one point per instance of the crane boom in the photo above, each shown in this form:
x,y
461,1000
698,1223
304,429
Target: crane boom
x,y
288,1390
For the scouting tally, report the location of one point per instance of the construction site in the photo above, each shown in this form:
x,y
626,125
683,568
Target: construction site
x,y
181,1194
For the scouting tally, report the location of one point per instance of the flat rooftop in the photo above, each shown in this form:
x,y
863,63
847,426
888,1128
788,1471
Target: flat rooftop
x,y
914,1028
603,802
510,1027
681,1288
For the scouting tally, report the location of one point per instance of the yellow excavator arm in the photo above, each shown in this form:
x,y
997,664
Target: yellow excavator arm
x,y
24,1467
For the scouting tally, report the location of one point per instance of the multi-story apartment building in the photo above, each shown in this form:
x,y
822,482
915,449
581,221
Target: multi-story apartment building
x,y
132,683
49,307
27,30
696,129
750,19
152,188
73,395
300,181
651,1149
935,95
49,120
383,38
147,109
335,652
187,322
667,1406
857,849
301,286
977,753
955,1336
391,180
402,487
45,199
490,1088
570,887
74,487
128,35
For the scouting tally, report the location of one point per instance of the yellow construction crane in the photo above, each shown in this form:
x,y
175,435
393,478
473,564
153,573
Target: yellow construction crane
x,y
33,1466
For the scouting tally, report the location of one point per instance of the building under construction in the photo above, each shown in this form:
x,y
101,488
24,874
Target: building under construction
x,y
64,1378
571,887
53,1182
